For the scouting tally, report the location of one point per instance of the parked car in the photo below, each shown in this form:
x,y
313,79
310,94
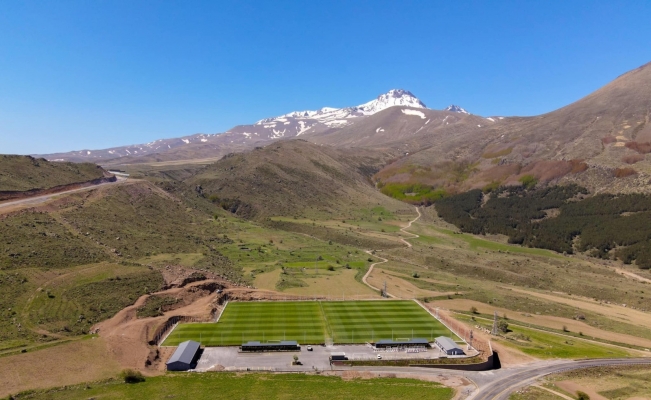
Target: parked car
x,y
379,357
309,348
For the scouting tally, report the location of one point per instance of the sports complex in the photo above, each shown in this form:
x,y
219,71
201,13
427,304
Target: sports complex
x,y
314,322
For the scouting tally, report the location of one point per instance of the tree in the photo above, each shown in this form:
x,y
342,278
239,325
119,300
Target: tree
x,y
582,395
474,310
132,376
503,326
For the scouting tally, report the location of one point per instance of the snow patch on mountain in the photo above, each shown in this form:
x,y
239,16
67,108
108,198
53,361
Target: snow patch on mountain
x,y
407,111
456,109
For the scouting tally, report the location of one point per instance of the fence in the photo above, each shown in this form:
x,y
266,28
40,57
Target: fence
x,y
462,331
160,334
284,297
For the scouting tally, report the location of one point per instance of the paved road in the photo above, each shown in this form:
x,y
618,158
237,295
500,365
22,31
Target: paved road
x,y
35,200
501,388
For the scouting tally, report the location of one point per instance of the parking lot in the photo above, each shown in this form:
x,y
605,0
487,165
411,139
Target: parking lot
x,y
231,359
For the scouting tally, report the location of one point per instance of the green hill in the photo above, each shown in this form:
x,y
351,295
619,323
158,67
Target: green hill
x,y
20,173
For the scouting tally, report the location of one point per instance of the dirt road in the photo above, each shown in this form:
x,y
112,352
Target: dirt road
x,y
370,269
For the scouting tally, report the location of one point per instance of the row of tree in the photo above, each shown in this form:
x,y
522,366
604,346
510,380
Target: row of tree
x,y
553,218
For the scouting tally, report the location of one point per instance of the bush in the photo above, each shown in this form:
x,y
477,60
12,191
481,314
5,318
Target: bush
x,y
474,310
331,268
582,395
503,326
623,172
132,376
528,181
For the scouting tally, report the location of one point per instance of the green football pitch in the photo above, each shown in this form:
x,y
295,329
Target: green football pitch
x,y
313,322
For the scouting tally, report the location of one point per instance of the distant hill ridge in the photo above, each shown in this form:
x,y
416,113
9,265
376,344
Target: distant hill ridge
x,y
24,173
600,141
243,137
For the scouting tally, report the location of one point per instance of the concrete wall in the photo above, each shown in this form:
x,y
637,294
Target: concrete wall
x,y
491,363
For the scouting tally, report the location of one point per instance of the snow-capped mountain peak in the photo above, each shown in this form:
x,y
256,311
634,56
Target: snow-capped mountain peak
x,y
338,117
394,97
457,109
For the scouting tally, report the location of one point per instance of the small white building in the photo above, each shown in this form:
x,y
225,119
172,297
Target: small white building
x,y
448,346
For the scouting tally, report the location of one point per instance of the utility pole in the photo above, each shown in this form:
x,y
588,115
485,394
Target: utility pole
x,y
494,331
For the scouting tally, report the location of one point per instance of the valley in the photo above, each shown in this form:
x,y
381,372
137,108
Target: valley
x,y
547,298
485,220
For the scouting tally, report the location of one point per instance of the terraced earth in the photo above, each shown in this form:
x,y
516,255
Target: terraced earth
x,y
313,322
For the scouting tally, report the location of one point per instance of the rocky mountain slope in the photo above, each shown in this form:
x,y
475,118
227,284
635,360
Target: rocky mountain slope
x,y
600,141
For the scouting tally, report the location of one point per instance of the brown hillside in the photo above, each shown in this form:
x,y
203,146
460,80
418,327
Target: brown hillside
x,y
292,178
583,142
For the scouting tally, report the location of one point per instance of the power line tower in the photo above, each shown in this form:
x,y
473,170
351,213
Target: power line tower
x,y
494,331
470,340
384,291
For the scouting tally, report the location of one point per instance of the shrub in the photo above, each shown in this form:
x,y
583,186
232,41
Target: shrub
x,y
132,376
582,395
474,310
624,172
528,181
642,148
415,275
331,268
632,158
503,326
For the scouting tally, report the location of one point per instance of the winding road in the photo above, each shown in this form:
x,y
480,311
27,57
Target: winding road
x,y
499,384
516,378
369,252
35,200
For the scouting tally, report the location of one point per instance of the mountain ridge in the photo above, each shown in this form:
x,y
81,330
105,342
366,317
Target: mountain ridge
x,y
242,137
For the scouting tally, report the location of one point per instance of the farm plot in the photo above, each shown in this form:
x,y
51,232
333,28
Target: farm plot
x,y
313,322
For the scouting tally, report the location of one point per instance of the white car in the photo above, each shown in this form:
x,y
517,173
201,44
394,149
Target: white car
x,y
309,348
379,357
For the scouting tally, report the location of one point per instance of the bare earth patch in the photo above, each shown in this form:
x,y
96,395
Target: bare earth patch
x,y
66,364
573,387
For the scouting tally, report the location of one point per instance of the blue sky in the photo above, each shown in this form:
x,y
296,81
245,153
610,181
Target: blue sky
x,y
95,74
